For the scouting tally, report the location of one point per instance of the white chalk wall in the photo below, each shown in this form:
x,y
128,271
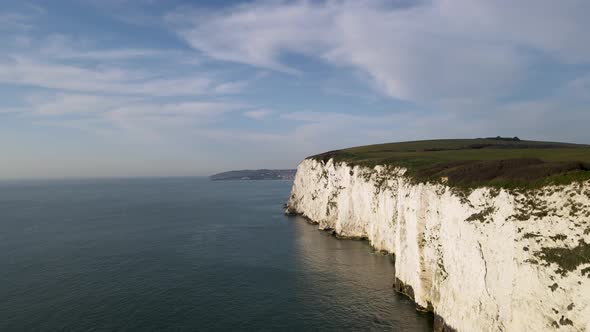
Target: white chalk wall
x,y
479,273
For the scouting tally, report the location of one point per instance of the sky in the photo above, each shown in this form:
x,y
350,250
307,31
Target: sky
x,y
103,88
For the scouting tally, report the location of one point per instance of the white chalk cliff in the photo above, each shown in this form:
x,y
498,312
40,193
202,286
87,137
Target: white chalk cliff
x,y
488,260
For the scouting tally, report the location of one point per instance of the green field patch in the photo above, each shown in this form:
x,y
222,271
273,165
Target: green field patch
x,y
468,163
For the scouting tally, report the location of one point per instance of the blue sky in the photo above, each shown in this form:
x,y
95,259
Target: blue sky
x,y
95,88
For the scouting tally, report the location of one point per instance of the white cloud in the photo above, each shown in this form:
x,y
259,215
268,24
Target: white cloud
x,y
112,112
106,79
433,50
77,65
258,114
116,54
454,60
14,21
64,104
558,28
73,83
182,111
64,47
154,121
20,20
257,34
231,87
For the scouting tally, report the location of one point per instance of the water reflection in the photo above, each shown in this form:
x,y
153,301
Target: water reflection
x,y
346,281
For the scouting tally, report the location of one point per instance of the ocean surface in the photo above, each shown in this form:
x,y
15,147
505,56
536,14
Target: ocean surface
x,y
183,254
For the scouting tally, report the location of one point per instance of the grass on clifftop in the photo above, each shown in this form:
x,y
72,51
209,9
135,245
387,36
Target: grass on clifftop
x,y
496,162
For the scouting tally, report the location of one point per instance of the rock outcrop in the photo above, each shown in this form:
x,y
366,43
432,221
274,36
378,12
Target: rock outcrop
x,y
484,260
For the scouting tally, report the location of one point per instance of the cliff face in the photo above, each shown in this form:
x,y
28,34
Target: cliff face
x,y
490,260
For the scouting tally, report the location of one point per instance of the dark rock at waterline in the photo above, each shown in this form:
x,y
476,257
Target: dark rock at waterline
x,y
403,288
441,326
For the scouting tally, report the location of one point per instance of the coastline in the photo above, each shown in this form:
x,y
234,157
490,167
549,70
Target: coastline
x,y
406,290
445,246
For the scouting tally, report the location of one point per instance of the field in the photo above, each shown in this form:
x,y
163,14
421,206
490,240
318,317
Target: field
x,y
497,162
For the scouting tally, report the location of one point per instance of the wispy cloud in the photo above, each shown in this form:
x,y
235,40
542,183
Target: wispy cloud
x,y
108,114
64,47
14,21
52,104
231,87
61,62
182,82
68,104
77,84
258,114
433,50
20,20
109,79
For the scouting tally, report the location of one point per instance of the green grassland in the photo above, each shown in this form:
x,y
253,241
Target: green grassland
x,y
497,162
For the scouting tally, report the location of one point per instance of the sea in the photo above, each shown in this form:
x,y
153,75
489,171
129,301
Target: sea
x,y
184,254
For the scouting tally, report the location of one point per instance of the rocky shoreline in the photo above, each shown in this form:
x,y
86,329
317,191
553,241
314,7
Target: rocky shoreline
x,y
439,324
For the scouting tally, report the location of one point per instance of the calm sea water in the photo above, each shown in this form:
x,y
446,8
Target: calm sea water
x,y
183,254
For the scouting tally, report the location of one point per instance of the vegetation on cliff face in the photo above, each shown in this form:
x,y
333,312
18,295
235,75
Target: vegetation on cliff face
x,y
568,259
495,162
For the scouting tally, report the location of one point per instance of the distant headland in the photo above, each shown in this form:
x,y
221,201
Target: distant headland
x,y
257,174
